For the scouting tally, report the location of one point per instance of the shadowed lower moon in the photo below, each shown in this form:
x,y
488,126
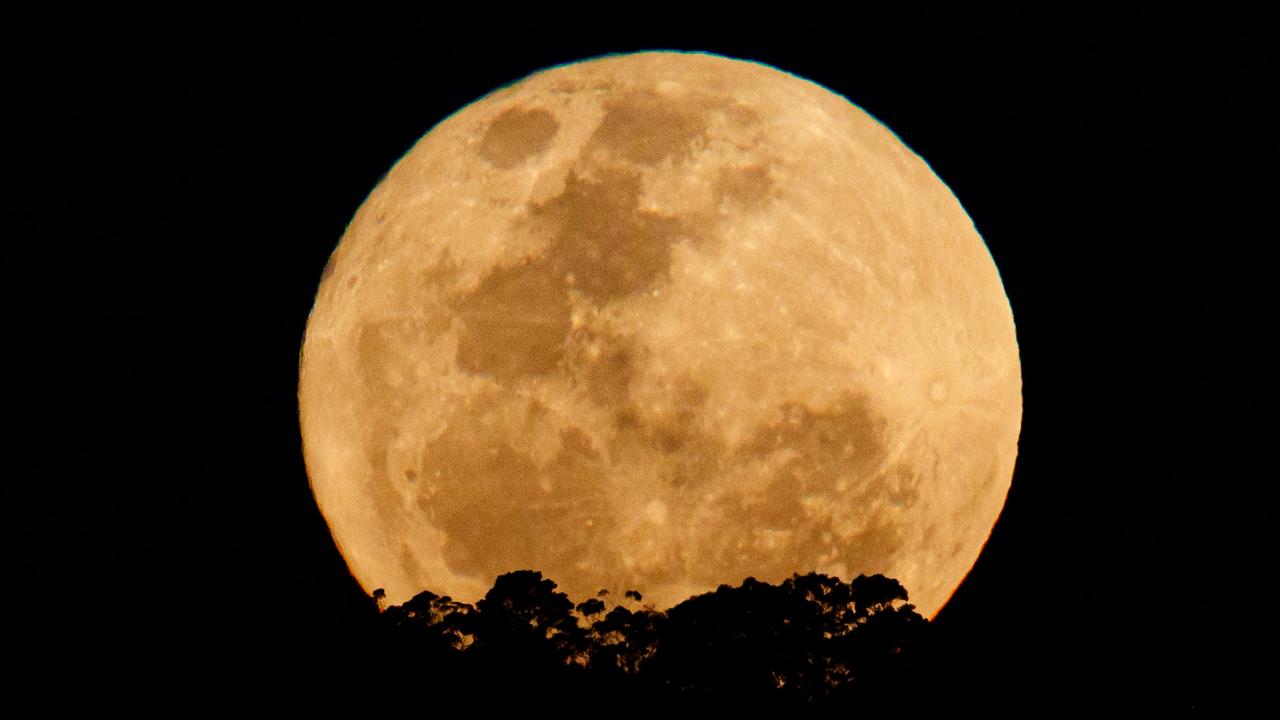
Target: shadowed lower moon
x,y
660,322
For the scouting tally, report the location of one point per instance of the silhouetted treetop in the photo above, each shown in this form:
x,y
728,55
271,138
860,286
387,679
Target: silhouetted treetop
x,y
589,607
875,593
524,597
806,640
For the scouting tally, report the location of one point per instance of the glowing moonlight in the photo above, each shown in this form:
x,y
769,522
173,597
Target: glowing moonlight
x,y
660,321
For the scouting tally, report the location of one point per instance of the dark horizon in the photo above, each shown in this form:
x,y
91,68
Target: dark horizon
x,y
185,177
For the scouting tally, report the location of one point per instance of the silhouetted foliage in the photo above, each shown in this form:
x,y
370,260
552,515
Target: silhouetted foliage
x,y
592,606
623,641
810,640
437,623
523,620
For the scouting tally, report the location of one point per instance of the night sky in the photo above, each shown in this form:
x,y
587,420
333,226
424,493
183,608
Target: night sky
x,y
182,178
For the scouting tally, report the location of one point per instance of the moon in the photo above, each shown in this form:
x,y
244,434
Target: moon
x,y
660,321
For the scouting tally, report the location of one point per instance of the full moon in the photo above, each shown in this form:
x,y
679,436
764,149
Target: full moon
x,y
660,322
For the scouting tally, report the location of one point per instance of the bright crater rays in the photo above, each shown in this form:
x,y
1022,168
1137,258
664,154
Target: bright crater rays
x,y
660,321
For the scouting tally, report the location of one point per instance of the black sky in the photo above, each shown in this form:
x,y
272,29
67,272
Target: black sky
x,y
183,176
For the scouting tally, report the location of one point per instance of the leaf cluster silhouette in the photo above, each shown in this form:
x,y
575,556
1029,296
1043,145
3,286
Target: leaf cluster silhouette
x,y
810,640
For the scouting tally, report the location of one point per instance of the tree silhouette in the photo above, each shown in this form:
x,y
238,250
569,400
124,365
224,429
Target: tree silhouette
x,y
435,623
526,631
624,641
590,607
811,639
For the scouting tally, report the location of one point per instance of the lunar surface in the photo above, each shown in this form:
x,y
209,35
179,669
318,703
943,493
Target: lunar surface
x,y
660,322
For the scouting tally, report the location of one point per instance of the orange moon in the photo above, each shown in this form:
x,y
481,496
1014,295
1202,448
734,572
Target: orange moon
x,y
659,322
